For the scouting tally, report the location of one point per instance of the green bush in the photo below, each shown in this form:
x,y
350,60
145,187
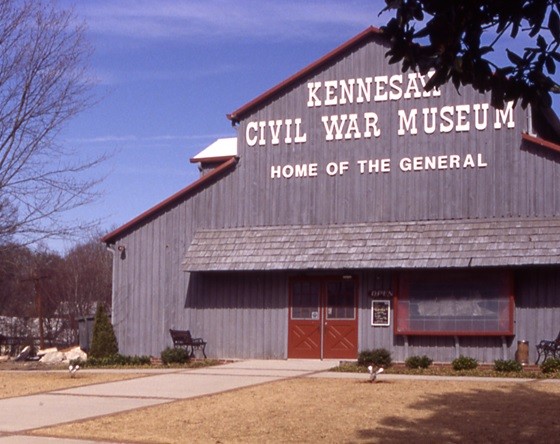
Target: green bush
x,y
172,355
113,360
418,362
104,342
507,365
379,357
550,365
464,363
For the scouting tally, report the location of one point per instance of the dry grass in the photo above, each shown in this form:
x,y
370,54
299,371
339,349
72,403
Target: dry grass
x,y
310,410
19,383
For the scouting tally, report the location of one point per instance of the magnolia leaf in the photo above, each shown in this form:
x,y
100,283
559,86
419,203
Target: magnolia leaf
x,y
550,65
554,25
514,58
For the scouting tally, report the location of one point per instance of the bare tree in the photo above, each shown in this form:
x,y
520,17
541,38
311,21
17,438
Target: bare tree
x,y
87,269
43,83
16,289
43,294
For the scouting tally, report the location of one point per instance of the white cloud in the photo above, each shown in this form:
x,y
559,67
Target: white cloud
x,y
124,139
112,75
219,19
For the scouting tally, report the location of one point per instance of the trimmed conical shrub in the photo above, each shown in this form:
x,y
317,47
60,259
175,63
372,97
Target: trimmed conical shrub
x,y
104,342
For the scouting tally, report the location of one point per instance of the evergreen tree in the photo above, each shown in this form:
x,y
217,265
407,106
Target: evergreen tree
x,y
104,342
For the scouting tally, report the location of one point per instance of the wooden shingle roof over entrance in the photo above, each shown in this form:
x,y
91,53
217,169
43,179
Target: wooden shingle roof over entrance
x,y
427,244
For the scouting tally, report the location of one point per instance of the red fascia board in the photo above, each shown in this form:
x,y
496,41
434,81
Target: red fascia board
x,y
541,142
238,114
110,237
210,159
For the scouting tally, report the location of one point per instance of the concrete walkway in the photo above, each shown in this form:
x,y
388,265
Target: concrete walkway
x,y
25,413
21,414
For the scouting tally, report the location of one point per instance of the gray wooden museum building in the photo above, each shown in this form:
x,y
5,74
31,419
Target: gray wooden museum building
x,y
354,210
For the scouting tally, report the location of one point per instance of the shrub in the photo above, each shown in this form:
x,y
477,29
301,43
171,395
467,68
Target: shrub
x,y
113,360
78,361
418,362
379,357
172,355
464,363
104,342
550,365
507,365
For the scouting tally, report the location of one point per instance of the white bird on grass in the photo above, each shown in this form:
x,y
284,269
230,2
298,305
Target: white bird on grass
x,y
372,374
73,369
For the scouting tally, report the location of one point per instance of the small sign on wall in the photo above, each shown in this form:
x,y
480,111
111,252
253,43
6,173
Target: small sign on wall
x,y
380,313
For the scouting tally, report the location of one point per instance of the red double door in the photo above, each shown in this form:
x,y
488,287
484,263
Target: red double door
x,y
323,320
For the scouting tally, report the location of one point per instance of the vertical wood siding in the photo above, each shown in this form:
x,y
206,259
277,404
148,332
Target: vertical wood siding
x,y
537,317
245,315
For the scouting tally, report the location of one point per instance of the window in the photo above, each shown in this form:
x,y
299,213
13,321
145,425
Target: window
x,y
305,300
340,300
455,303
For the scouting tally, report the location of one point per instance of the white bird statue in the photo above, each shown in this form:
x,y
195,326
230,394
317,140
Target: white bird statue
x,y
372,374
73,370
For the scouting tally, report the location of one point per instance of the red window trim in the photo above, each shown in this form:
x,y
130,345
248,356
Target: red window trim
x,y
511,298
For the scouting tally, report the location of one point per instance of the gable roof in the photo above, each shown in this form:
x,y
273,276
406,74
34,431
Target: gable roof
x,y
221,149
224,151
193,187
363,37
227,147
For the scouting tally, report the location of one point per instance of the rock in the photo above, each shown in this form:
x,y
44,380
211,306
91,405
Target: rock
x,y
75,353
25,353
54,357
46,350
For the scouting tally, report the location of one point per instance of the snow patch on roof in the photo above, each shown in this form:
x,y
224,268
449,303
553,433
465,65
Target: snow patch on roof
x,y
226,147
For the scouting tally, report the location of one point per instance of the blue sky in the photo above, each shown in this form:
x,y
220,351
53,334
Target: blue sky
x,y
168,72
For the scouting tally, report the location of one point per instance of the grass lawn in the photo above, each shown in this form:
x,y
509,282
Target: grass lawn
x,y
343,410
19,383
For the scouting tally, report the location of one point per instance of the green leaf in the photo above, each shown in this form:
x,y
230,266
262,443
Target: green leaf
x,y
424,32
541,43
393,4
438,79
530,54
514,58
550,65
554,25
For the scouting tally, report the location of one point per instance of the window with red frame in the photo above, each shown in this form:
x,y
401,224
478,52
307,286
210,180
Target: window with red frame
x,y
464,303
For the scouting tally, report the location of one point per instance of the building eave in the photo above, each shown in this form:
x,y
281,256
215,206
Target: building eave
x,y
111,237
380,245
541,142
202,160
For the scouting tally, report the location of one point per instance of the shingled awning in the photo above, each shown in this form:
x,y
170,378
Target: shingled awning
x,y
428,244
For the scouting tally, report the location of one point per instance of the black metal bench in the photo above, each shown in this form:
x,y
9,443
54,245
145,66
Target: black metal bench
x,y
548,348
184,339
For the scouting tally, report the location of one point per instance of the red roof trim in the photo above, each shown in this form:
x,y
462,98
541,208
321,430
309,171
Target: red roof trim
x,y
209,159
240,112
110,237
541,142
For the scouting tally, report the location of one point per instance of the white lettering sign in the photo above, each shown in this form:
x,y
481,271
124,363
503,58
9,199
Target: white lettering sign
x,y
363,122
376,166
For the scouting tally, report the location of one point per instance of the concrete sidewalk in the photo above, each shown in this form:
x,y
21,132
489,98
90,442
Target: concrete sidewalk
x,y
22,414
26,413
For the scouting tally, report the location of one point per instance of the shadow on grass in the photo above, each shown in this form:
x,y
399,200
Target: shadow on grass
x,y
519,413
